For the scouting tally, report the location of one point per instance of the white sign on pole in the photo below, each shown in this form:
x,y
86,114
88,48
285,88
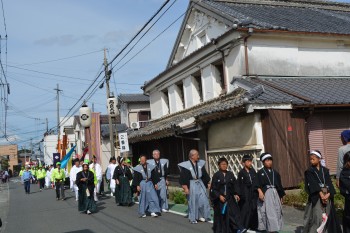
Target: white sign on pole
x,y
112,106
123,142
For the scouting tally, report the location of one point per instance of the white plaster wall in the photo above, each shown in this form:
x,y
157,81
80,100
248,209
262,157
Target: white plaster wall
x,y
198,24
49,145
234,62
298,57
158,104
210,82
191,92
175,100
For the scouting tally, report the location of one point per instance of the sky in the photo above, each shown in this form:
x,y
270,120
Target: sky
x,y
54,42
40,32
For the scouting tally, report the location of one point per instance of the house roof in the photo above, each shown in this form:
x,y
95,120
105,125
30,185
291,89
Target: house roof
x,y
306,16
298,16
298,91
104,119
118,127
163,127
128,98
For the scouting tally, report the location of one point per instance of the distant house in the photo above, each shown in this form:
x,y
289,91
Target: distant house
x,y
135,111
248,76
9,153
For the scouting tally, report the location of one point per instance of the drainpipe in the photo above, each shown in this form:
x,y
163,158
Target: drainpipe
x,y
246,58
246,55
224,70
214,42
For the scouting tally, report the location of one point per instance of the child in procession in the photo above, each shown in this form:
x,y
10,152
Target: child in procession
x,y
247,179
271,193
320,215
344,186
224,194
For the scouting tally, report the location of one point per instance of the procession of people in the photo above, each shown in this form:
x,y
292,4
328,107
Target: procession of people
x,y
253,200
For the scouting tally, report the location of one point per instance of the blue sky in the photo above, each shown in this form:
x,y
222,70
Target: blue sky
x,y
46,30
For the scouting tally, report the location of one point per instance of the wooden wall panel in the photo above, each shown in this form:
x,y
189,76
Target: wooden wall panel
x,y
285,138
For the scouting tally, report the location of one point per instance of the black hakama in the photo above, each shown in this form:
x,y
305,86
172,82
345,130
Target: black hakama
x,y
226,215
270,210
344,185
123,194
249,197
86,200
315,180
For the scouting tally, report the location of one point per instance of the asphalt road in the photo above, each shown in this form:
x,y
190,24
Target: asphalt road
x,y
39,212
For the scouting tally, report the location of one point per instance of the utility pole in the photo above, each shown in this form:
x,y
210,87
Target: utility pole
x,y
108,76
57,89
47,126
31,149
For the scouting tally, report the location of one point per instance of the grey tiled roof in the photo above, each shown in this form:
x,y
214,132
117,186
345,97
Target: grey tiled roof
x,y
308,17
162,127
301,90
255,90
127,98
118,127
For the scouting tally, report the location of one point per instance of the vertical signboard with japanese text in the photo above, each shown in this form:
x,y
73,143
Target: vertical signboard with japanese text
x,y
123,142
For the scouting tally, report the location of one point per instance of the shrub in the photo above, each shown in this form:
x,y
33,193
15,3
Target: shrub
x,y
179,197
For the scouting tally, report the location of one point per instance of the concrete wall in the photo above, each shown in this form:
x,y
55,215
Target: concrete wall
x,y
11,151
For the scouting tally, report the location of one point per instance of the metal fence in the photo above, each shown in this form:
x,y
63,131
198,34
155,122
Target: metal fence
x,y
234,160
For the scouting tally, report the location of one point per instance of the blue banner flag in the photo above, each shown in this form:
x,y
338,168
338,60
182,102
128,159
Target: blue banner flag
x,y
66,158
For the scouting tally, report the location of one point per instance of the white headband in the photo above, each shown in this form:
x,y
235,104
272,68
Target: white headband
x,y
265,157
313,152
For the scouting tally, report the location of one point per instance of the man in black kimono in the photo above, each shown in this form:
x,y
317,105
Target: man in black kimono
x,y
85,181
247,180
319,186
224,194
271,192
122,176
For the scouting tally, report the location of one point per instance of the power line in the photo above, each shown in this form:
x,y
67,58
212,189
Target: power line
x,y
138,33
3,14
60,59
40,72
145,33
143,48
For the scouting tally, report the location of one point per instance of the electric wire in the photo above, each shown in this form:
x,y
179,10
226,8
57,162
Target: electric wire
x,y
138,33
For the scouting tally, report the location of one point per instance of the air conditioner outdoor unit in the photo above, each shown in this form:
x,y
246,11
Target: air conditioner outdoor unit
x,y
135,125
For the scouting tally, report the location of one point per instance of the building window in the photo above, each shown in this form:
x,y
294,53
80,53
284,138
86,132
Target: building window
x,y
166,99
198,79
180,87
220,73
144,116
